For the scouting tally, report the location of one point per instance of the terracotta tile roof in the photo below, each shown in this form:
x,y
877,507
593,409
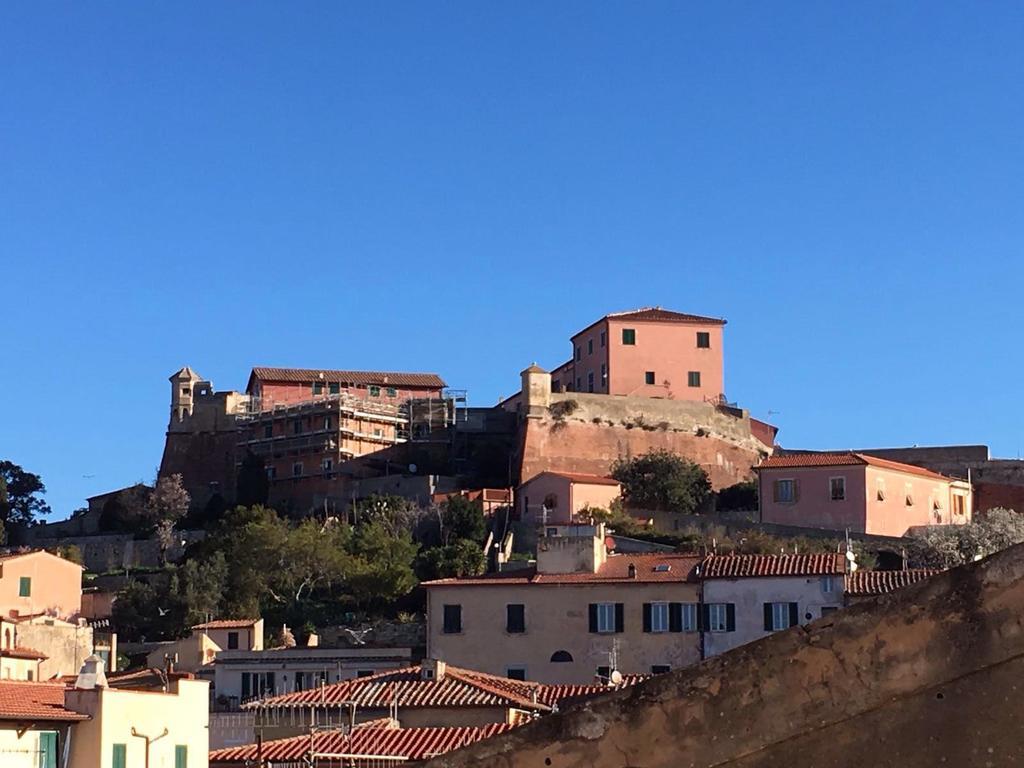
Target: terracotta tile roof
x,y
577,477
861,583
34,701
23,653
797,460
383,378
407,743
681,568
567,695
745,566
456,688
652,314
227,624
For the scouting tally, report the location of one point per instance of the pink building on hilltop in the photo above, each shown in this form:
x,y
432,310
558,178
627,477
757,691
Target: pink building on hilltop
x,y
556,498
650,352
863,493
282,386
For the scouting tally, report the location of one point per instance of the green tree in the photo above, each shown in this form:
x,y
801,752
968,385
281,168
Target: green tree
x,y
463,558
253,541
381,566
315,557
126,510
662,480
395,513
136,613
199,589
167,504
462,519
252,486
20,496
740,496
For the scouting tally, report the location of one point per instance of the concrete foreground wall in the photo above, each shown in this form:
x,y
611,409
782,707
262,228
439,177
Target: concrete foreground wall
x,y
930,675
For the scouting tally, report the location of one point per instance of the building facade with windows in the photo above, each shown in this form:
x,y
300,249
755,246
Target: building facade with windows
x,y
649,352
575,617
747,597
859,492
557,497
34,724
38,582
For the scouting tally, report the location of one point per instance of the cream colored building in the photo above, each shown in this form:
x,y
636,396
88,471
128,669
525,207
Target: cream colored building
x,y
34,725
201,647
575,618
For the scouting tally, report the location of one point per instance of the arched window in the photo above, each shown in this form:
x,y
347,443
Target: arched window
x,y
7,638
561,657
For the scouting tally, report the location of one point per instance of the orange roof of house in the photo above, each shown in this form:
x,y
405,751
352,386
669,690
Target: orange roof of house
x,y
382,378
883,582
845,459
23,653
753,566
34,701
227,624
654,314
364,744
576,477
681,568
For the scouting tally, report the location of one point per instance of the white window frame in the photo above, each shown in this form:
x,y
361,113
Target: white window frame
x,y
659,617
777,490
689,616
780,617
828,584
831,494
606,618
718,617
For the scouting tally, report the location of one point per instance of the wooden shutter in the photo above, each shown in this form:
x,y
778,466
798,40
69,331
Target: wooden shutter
x,y
48,749
730,617
675,617
794,614
768,624
180,756
704,617
796,491
647,617
620,617
120,756
593,617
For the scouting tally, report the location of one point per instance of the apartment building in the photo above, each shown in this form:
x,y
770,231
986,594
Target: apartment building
x,y
575,617
272,387
747,597
36,582
648,352
859,492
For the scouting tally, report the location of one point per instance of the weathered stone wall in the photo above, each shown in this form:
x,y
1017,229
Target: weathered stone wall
x,y
929,675
590,435
109,552
205,461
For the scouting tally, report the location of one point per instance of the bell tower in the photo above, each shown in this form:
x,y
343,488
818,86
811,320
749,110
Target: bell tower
x,y
182,395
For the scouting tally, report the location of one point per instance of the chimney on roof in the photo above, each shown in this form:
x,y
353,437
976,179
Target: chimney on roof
x,y
432,669
313,640
91,675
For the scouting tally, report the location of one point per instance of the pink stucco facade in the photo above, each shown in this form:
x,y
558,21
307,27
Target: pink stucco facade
x,y
39,582
885,499
564,494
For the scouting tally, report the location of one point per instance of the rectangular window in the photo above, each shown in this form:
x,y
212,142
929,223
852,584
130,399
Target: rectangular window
x,y
180,756
378,432
271,473
297,427
47,749
268,430
606,618
297,469
375,391
779,616
687,617
649,377
629,336
828,609
318,387
603,338
720,617
452,619
334,388
959,505
703,340
603,673
660,669
579,384
232,641
579,354
828,584
364,673
785,491
25,586
604,374
693,379
837,488
328,465
659,617
515,673
590,346
120,756
515,618
590,381
392,392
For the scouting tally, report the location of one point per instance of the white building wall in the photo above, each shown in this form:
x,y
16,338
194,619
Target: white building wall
x,y
749,596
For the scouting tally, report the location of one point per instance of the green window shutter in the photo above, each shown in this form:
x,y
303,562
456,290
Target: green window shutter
x,y
181,756
120,756
48,749
25,586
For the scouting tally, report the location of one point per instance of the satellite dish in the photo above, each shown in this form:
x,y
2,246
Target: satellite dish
x,y
853,567
615,678
850,556
412,469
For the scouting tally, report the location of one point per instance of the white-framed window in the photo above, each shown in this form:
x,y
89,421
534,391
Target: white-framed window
x,y
837,488
959,504
689,614
606,617
828,584
781,615
718,617
659,617
785,491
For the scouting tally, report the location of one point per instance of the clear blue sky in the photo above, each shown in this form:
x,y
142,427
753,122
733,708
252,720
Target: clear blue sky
x,y
457,187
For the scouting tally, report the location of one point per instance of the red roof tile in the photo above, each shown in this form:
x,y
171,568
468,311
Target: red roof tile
x,y
383,378
798,460
654,314
578,477
681,568
752,566
34,701
407,743
227,624
883,582
566,695
23,653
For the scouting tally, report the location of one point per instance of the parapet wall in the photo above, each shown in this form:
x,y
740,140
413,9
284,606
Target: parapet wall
x,y
587,433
